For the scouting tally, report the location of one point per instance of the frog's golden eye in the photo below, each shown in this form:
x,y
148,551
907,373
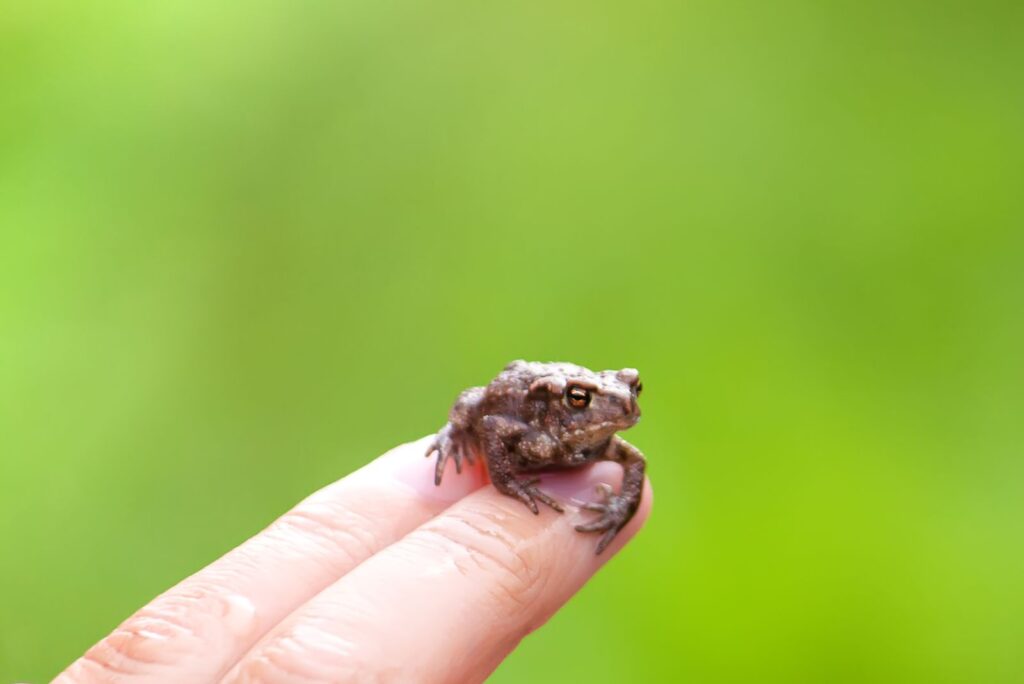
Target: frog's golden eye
x,y
579,397
639,388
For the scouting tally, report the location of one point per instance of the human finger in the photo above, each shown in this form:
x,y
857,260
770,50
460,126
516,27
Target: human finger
x,y
447,602
196,630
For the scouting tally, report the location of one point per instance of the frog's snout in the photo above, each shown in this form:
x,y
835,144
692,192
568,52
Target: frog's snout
x,y
630,376
629,406
634,410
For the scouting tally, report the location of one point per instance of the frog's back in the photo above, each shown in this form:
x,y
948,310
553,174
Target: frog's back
x,y
506,394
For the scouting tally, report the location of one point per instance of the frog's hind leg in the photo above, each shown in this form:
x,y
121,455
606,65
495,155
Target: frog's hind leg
x,y
499,432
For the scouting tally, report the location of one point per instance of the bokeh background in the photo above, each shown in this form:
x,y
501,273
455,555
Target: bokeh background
x,y
246,247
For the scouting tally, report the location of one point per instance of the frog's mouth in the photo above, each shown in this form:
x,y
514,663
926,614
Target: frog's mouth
x,y
606,428
630,412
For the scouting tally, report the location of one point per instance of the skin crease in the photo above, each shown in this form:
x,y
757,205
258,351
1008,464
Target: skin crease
x,y
535,417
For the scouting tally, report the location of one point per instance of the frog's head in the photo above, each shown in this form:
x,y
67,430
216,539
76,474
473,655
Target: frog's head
x,y
591,406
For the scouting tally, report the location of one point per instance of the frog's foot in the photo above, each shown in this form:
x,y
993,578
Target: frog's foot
x,y
528,493
449,444
615,512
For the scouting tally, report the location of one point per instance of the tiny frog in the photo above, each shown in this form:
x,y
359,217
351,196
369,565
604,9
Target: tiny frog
x,y
542,416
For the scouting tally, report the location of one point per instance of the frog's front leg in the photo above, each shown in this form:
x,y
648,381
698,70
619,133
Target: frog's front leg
x,y
617,509
500,433
454,440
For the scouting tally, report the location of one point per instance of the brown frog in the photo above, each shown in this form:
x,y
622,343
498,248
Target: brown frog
x,y
541,416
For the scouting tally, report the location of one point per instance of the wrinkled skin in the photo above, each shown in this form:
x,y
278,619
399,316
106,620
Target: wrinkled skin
x,y
540,416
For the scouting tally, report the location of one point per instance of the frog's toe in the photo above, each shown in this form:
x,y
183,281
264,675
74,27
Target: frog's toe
x,y
606,539
615,513
528,493
442,458
456,455
525,496
449,444
610,523
547,499
601,524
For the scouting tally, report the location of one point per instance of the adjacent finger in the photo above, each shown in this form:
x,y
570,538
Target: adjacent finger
x,y
195,631
447,602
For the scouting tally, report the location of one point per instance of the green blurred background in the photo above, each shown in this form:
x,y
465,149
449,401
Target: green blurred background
x,y
247,247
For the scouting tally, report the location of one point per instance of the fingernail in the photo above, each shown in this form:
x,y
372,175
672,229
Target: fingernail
x,y
580,484
406,464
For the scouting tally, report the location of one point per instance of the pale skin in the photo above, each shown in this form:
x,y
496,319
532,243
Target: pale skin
x,y
380,576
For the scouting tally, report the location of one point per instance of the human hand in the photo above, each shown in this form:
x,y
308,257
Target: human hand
x,y
380,576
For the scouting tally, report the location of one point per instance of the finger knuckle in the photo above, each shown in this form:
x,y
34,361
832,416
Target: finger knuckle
x,y
178,623
202,614
303,655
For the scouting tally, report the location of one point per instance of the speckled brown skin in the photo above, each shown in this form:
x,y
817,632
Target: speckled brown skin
x,y
540,416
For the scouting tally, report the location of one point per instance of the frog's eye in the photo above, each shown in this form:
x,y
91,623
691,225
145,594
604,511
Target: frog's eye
x,y
639,388
579,397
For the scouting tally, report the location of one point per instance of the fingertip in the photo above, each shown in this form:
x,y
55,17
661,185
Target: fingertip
x,y
610,544
643,511
402,464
